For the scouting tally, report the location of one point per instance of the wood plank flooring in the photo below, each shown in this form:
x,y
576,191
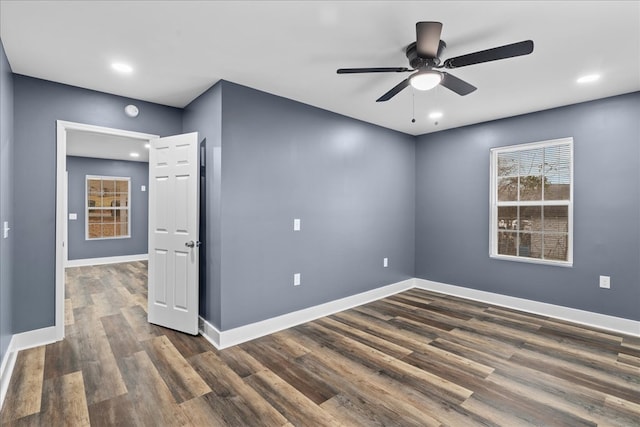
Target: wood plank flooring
x,y
413,359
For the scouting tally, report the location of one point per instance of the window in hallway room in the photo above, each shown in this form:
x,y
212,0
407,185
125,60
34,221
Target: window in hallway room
x,y
107,207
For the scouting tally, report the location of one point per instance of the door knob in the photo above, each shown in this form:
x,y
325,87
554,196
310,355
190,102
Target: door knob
x,y
191,244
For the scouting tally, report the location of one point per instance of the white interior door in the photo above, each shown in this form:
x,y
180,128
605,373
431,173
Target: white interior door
x,y
173,232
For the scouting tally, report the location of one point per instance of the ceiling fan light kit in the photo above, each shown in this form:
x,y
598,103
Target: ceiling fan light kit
x,y
425,80
424,58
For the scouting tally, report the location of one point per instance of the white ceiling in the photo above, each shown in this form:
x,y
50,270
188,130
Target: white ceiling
x,y
102,146
293,48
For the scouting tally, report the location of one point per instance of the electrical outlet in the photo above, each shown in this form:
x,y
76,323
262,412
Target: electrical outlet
x,y
605,282
296,279
385,262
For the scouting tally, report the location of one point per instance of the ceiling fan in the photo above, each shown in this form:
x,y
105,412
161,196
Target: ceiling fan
x,y
424,58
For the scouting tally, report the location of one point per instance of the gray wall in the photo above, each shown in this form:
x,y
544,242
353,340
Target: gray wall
x,y
6,196
452,207
204,115
351,183
362,192
37,106
78,169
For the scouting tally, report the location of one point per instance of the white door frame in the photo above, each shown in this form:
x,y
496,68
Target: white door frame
x,y
61,209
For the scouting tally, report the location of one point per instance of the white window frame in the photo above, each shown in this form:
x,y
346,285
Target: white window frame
x,y
87,208
494,203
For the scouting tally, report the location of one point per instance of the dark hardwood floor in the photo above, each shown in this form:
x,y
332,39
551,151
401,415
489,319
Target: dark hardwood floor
x,y
414,359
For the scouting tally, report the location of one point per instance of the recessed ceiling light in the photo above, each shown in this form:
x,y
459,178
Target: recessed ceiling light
x,y
134,154
147,145
589,78
121,67
435,115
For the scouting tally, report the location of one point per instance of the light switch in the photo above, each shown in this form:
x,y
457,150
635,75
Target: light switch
x,y
296,279
5,228
296,224
143,188
73,216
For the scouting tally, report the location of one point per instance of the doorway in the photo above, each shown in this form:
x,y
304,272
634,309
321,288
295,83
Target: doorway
x,y
64,131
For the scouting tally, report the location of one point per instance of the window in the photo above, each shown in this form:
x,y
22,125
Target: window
x,y
107,207
532,202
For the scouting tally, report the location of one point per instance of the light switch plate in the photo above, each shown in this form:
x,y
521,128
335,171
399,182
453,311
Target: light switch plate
x,y
143,188
605,282
296,279
296,224
73,216
5,229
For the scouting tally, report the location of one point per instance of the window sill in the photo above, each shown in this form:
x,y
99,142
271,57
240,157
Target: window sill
x,y
532,260
106,238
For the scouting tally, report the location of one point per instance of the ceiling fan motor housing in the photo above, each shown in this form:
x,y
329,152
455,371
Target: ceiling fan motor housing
x,y
417,62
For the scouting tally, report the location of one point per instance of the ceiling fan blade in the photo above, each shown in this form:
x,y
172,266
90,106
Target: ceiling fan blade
x,y
393,92
373,70
456,85
428,39
502,52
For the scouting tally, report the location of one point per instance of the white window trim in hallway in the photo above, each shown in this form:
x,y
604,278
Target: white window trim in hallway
x,y
115,209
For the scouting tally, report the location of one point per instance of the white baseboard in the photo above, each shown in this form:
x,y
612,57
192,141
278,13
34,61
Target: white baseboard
x,y
224,339
35,338
231,337
106,260
6,369
22,341
209,332
587,318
